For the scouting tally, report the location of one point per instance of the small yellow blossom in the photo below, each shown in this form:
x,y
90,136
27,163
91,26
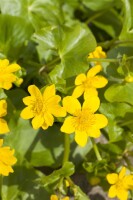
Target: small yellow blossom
x,y
42,107
129,79
121,183
98,53
3,111
83,121
55,197
87,84
6,74
7,159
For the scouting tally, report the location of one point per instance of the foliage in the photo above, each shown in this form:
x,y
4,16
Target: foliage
x,y
51,41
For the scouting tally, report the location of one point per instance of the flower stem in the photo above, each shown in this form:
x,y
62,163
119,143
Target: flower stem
x,y
1,182
97,153
66,148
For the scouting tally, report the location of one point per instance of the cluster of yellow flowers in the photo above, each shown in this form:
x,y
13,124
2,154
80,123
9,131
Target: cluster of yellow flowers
x,y
82,118
7,78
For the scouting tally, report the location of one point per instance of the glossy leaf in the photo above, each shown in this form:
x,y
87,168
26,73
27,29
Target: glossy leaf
x,y
14,32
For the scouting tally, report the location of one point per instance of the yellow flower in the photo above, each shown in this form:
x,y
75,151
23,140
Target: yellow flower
x,y
55,197
98,53
83,121
42,107
6,74
7,159
3,111
121,183
88,84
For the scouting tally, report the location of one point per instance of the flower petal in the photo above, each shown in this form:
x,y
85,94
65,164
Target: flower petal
x,y
12,68
78,91
81,138
112,191
35,92
122,194
80,79
71,104
3,108
89,92
53,197
4,63
128,182
68,125
99,82
28,100
93,132
54,108
122,172
49,92
66,198
3,126
92,103
6,85
5,169
27,113
37,121
94,70
44,126
112,178
57,111
101,121
49,119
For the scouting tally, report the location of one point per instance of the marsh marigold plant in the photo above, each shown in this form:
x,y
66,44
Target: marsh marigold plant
x,y
7,76
3,111
121,183
7,159
42,107
89,83
83,121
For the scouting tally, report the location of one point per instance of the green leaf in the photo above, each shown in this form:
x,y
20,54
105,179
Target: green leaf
x,y
116,109
79,194
127,30
34,145
22,185
115,112
14,32
33,11
98,5
120,93
70,47
48,145
2,94
110,21
66,170
16,102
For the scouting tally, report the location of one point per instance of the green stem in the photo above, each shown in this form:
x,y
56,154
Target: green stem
x,y
96,150
93,17
49,66
103,60
66,148
1,182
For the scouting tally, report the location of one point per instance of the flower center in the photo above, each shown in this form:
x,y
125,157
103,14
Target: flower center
x,y
120,185
84,119
37,106
88,83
